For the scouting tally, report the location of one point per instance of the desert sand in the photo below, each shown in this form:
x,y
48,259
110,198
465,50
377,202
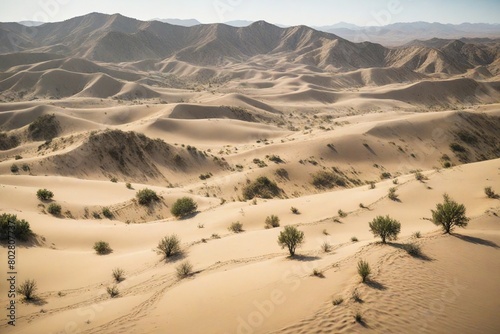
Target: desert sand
x,y
184,125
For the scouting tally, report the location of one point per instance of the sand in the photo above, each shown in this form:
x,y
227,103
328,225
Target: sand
x,y
183,128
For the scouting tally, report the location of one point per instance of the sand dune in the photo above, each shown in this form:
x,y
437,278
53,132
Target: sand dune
x,y
100,107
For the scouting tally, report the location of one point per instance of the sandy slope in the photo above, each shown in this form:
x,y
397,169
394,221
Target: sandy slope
x,y
184,127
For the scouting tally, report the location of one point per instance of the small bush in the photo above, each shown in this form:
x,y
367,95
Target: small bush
x,y
412,249
113,291
272,221
354,239
325,232
337,301
22,230
457,148
359,318
128,185
183,206
356,296
362,206
106,212
291,238
327,180
118,274
215,236
146,196
490,193
318,273
14,168
363,270
449,214
113,179
261,187
419,176
392,194
236,227
282,173
447,164
276,159
395,181
326,247
18,157
102,248
342,214
385,227
184,270
295,211
25,167
417,235
54,209
371,185
45,127
27,289
385,175
169,246
44,194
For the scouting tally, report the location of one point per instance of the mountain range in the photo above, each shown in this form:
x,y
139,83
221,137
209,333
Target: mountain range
x,y
116,38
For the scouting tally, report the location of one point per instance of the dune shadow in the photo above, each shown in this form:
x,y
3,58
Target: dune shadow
x,y
476,240
38,301
189,216
418,254
175,258
375,285
304,258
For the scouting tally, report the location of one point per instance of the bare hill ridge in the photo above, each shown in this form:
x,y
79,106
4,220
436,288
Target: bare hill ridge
x,y
115,38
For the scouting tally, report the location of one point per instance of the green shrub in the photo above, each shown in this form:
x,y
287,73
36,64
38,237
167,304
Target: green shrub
x,y
14,168
318,273
27,289
291,238
354,239
44,194
236,227
392,194
276,159
337,301
342,214
363,270
184,270
294,210
113,291
169,246
118,274
18,157
21,228
262,187
282,173
102,248
371,185
106,212
113,179
447,164
490,193
146,196
128,185
385,227
419,176
54,209
417,234
45,127
385,175
327,180
326,247
449,214
183,206
25,167
457,148
359,318
272,221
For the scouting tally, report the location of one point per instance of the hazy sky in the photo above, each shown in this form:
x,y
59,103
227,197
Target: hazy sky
x,y
289,12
